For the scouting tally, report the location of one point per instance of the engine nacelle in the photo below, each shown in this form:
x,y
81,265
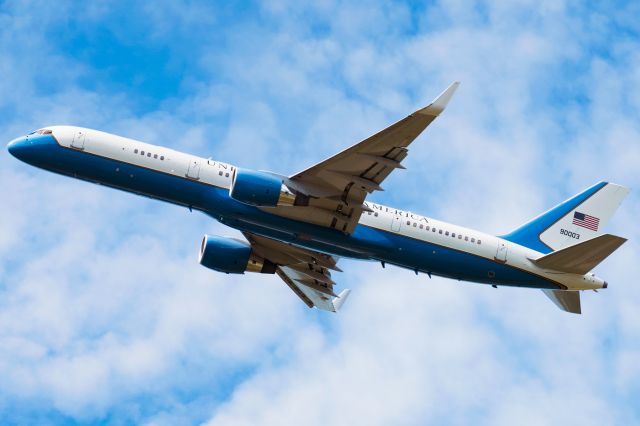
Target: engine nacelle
x,y
260,189
232,256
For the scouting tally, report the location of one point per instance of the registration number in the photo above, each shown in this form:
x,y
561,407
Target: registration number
x,y
570,234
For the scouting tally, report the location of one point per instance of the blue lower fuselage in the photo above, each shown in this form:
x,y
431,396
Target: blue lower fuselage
x,y
364,243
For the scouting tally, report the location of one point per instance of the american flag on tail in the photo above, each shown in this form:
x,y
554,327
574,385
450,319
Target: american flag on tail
x,y
586,221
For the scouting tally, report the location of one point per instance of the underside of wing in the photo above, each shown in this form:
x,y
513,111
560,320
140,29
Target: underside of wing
x,y
336,188
306,272
312,292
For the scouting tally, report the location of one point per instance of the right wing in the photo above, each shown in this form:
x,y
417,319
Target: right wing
x,y
306,272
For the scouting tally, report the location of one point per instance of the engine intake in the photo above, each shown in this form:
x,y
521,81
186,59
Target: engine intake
x,y
260,189
232,256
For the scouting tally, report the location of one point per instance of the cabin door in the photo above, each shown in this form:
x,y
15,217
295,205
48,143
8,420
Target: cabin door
x,y
194,169
501,253
78,140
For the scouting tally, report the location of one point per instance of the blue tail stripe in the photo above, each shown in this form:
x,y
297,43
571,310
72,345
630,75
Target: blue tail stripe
x,y
528,235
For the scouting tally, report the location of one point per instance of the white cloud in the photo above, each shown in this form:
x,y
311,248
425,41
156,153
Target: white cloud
x,y
103,304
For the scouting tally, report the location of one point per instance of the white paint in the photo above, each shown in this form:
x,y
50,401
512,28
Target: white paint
x,y
388,219
602,205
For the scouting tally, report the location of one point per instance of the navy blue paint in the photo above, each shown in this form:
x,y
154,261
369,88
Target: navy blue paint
x,y
256,188
528,235
364,243
225,254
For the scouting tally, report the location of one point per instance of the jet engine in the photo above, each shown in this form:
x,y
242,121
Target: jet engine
x,y
232,256
260,189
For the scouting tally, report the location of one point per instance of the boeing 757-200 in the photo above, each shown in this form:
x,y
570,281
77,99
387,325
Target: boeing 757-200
x,y
299,226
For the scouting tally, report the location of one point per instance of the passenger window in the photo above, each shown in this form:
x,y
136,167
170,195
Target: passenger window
x,y
415,224
446,233
220,173
226,174
453,234
376,214
459,236
141,152
420,226
408,223
148,154
473,240
440,231
479,242
155,156
466,238
135,151
433,229
162,157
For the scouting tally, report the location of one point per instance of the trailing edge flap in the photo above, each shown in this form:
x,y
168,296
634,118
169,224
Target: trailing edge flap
x,y
582,257
566,300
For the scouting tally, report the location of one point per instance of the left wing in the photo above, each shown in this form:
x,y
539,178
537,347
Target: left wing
x,y
336,188
306,272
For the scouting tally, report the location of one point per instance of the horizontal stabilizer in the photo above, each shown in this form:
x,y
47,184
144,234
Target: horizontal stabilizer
x,y
582,257
566,300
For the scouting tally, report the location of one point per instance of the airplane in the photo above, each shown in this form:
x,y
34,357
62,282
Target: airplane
x,y
299,226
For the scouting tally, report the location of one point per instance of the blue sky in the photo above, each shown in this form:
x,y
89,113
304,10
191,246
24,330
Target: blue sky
x,y
106,317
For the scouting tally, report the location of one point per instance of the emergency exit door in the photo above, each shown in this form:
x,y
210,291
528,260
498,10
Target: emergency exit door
x,y
396,222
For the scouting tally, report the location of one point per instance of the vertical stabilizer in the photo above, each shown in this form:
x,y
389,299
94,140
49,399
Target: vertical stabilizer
x,y
578,219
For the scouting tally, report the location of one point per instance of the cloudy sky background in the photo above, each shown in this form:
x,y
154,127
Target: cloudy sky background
x,y
106,316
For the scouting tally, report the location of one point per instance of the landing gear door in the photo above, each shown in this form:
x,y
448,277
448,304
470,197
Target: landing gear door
x,y
193,172
396,222
501,253
78,140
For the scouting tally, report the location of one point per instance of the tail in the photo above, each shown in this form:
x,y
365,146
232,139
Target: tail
x,y
578,219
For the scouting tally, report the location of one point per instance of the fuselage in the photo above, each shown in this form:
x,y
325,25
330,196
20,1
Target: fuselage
x,y
384,234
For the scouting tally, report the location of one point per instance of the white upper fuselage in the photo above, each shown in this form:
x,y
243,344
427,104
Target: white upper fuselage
x,y
399,222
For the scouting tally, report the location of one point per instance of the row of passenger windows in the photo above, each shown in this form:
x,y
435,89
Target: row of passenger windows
x,y
446,233
440,231
135,151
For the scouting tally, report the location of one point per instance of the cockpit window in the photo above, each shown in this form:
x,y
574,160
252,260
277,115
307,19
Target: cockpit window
x,y
41,132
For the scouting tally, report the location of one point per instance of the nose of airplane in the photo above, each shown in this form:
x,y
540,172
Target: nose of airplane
x,y
18,146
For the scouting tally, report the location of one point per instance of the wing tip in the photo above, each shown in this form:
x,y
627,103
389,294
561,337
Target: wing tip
x,y
440,103
339,301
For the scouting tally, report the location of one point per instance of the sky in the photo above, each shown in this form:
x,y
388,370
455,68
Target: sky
x,y
106,317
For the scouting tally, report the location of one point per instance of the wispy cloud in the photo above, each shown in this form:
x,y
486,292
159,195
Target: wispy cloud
x,y
106,317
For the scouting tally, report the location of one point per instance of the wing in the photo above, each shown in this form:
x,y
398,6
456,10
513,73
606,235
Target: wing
x,y
337,187
306,272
